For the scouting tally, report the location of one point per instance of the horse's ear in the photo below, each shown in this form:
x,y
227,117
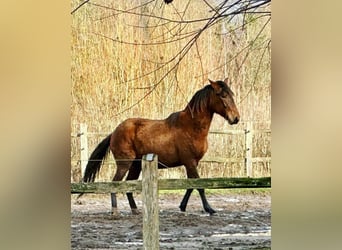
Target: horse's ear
x,y
215,86
227,82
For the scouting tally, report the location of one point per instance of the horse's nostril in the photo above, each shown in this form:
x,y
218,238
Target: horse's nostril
x,y
236,120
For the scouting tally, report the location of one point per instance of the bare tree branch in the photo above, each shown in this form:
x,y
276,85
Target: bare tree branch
x,y
79,6
176,30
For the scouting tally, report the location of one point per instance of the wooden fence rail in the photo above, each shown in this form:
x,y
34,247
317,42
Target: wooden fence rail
x,y
171,184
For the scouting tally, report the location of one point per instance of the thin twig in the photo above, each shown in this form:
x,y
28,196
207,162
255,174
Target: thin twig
x,y
79,6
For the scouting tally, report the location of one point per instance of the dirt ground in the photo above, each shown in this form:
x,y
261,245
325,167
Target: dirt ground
x,y
242,221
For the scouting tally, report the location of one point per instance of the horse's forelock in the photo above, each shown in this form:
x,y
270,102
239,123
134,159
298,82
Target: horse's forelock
x,y
225,87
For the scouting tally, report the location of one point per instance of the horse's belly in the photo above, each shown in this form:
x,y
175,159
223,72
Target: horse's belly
x,y
162,164
168,157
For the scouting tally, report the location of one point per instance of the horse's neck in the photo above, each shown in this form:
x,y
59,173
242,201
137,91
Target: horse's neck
x,y
200,121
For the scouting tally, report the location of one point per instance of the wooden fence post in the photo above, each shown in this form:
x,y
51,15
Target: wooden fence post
x,y
84,147
150,201
248,143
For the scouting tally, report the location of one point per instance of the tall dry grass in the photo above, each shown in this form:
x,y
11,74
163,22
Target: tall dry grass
x,y
113,80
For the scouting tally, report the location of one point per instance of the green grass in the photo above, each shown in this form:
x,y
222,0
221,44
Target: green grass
x,y
231,191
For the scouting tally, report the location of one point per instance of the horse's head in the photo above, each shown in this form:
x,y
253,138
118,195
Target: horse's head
x,y
223,103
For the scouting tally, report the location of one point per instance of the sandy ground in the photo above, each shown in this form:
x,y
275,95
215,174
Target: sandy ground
x,y
242,221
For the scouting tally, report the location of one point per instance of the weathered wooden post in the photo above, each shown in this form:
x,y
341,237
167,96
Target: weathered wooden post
x,y
248,143
84,147
150,201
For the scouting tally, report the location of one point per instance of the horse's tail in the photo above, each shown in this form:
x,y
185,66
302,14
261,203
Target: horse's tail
x,y
95,160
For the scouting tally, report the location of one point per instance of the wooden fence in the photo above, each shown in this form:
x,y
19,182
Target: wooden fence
x,y
149,185
248,159
171,184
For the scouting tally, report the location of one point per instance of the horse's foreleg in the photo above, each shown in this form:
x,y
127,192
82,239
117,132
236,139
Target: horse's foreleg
x,y
205,203
185,200
193,173
133,174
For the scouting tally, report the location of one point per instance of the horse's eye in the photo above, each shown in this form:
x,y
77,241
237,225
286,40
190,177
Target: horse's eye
x,y
224,94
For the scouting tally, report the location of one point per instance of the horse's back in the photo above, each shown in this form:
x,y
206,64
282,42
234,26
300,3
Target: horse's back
x,y
143,136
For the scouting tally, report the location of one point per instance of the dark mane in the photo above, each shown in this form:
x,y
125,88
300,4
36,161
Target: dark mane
x,y
199,101
171,120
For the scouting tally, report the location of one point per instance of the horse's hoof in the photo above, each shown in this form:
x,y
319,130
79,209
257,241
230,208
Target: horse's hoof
x,y
135,211
182,208
210,211
115,217
115,213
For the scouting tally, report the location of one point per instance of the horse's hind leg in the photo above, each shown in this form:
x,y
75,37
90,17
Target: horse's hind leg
x,y
133,174
122,168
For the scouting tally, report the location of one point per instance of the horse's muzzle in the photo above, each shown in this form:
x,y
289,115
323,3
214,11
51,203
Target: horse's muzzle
x,y
236,120
233,120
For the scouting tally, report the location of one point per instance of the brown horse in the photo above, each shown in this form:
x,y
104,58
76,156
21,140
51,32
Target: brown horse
x,y
180,139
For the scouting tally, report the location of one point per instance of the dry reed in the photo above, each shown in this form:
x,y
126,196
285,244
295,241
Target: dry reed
x,y
112,79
